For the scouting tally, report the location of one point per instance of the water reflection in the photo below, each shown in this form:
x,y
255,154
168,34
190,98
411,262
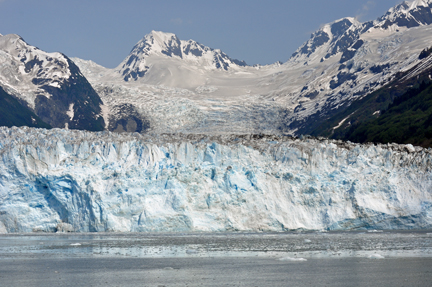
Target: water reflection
x,y
373,245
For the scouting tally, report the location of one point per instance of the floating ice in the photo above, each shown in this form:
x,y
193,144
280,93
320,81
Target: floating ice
x,y
376,256
292,259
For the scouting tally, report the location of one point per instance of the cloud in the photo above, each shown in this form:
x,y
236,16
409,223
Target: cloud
x,y
176,21
368,6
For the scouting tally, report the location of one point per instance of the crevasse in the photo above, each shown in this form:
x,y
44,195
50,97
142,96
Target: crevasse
x,y
58,180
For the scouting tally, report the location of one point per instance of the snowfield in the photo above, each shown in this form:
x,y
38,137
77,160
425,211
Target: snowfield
x,y
59,180
197,97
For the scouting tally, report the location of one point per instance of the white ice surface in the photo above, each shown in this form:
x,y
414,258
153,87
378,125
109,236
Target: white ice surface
x,y
189,94
110,182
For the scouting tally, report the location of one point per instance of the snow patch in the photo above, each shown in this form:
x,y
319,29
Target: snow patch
x,y
71,112
341,123
55,84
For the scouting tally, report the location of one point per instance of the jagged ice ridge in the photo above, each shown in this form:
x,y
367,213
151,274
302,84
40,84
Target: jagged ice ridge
x,y
59,180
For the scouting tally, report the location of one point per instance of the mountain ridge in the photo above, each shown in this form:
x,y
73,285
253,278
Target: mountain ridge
x,y
169,45
50,84
168,85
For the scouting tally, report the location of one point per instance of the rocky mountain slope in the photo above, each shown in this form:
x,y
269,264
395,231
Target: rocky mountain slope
x,y
406,85
168,85
12,113
155,44
201,90
49,84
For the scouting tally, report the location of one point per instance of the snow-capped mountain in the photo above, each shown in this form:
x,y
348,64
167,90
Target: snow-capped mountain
x,y
175,85
407,14
58,180
50,84
168,85
330,40
347,60
342,35
171,178
156,45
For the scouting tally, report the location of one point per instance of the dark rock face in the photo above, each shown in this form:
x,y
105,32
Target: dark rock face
x,y
31,64
173,48
13,113
126,118
425,53
342,77
76,91
318,39
339,28
345,41
134,74
349,53
379,68
131,70
192,49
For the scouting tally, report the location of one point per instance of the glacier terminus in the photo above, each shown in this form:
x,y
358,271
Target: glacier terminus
x,y
69,180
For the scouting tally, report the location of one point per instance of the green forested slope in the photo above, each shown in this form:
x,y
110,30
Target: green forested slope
x,y
407,120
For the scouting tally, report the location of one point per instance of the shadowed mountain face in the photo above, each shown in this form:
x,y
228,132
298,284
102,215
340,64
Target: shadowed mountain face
x,y
50,84
13,113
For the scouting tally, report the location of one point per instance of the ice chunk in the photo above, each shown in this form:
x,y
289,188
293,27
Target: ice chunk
x,y
295,259
376,256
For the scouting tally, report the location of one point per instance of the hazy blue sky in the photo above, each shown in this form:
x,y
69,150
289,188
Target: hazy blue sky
x,y
258,32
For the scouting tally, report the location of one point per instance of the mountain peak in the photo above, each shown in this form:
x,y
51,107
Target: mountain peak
x,y
162,36
157,42
407,6
331,39
162,45
10,38
418,3
407,14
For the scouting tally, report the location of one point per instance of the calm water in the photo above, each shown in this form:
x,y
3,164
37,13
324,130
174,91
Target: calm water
x,y
240,259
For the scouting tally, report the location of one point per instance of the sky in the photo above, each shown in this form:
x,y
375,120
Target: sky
x,y
104,31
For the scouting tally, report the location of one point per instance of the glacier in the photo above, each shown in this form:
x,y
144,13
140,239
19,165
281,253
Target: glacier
x,y
63,180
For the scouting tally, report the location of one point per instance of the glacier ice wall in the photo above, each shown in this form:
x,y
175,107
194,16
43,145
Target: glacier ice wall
x,y
59,180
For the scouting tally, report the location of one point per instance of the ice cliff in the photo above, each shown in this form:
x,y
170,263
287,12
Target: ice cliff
x,y
59,180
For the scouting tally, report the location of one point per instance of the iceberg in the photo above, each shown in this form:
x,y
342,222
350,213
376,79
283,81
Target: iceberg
x,y
69,180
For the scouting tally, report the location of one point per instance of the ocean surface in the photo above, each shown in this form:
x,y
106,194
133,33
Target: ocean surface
x,y
374,258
